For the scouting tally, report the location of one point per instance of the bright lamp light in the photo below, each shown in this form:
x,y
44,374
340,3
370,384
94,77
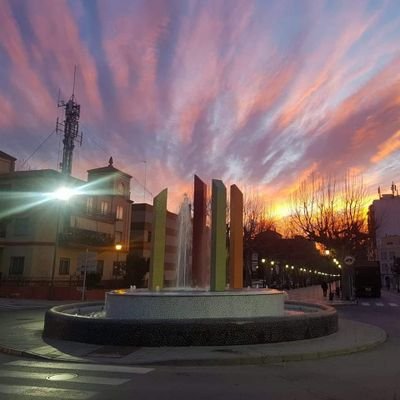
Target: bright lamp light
x,y
64,193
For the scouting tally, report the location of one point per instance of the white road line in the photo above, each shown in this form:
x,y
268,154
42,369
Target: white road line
x,y
379,304
393,305
365,304
102,380
79,366
19,307
43,392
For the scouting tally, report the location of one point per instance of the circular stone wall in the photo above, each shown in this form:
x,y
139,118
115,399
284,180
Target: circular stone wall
x,y
303,321
191,304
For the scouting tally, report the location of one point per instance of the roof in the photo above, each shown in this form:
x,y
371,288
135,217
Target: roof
x,y
107,169
6,156
48,173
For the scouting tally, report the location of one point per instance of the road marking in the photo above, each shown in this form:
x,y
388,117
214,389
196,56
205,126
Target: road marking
x,y
46,392
84,367
393,305
365,304
379,304
102,380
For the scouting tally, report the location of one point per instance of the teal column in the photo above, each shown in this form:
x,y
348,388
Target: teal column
x,y
156,274
218,236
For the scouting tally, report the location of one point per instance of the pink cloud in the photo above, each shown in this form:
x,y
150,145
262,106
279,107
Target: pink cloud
x,y
58,47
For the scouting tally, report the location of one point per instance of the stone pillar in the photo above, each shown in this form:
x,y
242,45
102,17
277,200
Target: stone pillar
x,y
236,238
218,236
156,274
199,255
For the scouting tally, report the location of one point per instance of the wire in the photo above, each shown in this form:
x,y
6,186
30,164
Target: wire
x,y
37,148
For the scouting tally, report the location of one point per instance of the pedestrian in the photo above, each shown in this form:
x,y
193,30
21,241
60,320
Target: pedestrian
x,y
324,287
387,282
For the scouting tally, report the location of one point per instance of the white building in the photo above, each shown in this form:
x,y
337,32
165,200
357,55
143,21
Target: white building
x,y
384,226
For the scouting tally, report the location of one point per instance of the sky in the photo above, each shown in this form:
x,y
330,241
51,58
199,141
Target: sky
x,y
256,93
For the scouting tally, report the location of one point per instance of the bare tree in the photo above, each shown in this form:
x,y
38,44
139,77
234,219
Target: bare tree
x,y
257,217
330,213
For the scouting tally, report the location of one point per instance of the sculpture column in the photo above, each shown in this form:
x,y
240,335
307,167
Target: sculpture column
x,y
199,256
218,236
236,238
156,273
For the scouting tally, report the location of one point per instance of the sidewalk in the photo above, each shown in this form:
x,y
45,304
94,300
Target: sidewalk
x,y
313,294
352,337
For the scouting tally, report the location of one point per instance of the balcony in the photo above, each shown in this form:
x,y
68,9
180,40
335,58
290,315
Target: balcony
x,y
76,236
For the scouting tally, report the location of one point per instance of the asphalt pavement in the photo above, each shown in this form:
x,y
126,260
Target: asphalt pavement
x,y
21,335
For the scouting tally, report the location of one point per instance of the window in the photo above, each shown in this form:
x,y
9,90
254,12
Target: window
x,y
100,267
120,188
64,266
104,207
148,236
17,266
120,212
89,204
22,226
383,255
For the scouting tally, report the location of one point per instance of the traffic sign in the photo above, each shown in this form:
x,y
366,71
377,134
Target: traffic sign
x,y
89,269
88,258
349,260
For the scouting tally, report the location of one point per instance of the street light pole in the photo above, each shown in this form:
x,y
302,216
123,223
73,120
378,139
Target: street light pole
x,y
118,248
84,275
61,195
53,268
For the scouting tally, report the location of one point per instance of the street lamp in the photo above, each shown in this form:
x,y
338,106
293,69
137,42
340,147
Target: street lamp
x,y
118,248
62,195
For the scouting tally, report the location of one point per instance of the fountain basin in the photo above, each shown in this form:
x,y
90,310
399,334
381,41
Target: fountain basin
x,y
193,304
75,322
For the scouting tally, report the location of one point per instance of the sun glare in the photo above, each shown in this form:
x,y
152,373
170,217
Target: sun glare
x,y
64,193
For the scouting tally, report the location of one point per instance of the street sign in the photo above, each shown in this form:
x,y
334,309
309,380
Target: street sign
x,y
349,260
89,269
88,258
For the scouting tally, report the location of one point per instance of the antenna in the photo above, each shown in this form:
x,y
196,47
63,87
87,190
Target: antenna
x,y
144,186
70,128
73,86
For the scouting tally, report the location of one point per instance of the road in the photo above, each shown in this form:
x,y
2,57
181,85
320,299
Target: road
x,y
372,375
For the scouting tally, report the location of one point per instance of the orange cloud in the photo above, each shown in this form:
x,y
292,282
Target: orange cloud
x,y
387,148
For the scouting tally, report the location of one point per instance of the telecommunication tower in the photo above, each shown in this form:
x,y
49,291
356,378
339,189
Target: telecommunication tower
x,y
70,128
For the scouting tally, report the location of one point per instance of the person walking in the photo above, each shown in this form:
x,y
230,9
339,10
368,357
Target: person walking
x,y
324,287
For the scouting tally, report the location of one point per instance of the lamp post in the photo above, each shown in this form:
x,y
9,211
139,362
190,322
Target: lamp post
x,y
264,272
118,248
61,195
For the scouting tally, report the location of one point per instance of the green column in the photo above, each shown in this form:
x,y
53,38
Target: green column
x,y
156,274
218,236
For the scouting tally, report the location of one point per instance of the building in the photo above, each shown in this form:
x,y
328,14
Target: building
x,y
384,228
7,163
46,239
141,235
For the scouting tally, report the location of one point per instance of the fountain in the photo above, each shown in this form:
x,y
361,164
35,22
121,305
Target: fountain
x,y
191,316
183,262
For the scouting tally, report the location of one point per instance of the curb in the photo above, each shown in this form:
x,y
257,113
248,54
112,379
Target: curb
x,y
241,360
23,353
267,359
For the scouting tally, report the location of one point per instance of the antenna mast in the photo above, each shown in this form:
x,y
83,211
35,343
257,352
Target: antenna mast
x,y
70,128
